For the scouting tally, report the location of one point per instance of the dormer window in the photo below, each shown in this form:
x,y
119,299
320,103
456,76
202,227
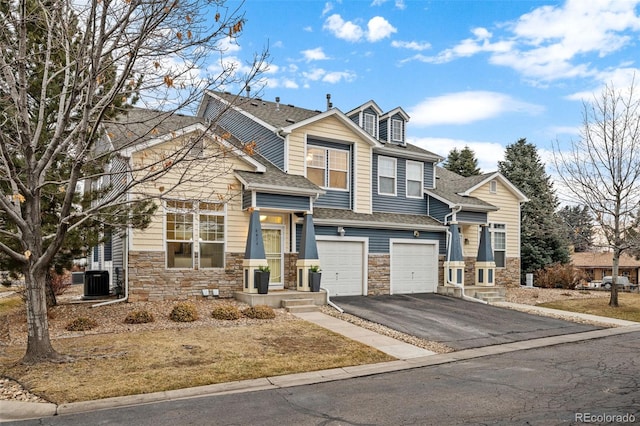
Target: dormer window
x,y
369,124
397,130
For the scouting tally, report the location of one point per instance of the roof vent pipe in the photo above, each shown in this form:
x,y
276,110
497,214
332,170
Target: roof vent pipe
x,y
248,91
329,104
277,103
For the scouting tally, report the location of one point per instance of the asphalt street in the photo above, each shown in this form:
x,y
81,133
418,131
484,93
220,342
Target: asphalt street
x,y
595,380
455,322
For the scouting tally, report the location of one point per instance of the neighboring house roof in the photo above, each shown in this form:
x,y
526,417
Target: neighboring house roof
x,y
323,216
602,259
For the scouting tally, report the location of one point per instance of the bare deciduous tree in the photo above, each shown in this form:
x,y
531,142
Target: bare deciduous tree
x,y
602,169
67,70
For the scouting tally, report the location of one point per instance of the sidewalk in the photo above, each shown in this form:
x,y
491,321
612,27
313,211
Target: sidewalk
x,y
409,357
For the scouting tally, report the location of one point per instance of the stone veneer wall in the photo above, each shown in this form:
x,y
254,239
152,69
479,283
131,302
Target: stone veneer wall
x,y
149,280
506,277
379,274
290,271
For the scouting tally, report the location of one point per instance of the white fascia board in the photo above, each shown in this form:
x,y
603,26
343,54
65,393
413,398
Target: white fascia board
x,y
397,110
366,105
521,197
127,152
466,207
339,115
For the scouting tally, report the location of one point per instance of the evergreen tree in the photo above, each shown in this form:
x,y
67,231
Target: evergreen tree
x,y
541,238
578,225
462,162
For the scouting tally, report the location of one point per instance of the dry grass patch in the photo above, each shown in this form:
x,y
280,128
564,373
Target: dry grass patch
x,y
108,365
629,308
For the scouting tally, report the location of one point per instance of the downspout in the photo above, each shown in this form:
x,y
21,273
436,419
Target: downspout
x,y
446,275
330,303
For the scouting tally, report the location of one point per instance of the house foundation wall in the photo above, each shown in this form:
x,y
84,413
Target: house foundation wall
x,y
379,274
505,277
150,280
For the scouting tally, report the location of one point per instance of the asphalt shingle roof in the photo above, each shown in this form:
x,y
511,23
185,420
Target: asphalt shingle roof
x,y
449,185
377,217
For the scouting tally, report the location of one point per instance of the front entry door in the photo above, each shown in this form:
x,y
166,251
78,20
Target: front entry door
x,y
272,238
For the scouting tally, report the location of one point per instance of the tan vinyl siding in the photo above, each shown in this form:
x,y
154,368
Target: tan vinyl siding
x,y
200,181
508,214
332,129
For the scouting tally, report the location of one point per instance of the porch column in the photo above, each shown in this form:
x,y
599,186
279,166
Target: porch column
x,y
254,255
308,254
485,264
454,265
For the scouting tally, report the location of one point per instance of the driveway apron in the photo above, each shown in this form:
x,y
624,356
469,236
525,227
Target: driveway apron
x,y
455,322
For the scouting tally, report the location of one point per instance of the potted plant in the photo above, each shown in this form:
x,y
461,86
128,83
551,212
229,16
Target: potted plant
x,y
314,278
261,279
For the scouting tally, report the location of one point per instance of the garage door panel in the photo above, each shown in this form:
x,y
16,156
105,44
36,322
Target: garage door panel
x,y
342,267
414,268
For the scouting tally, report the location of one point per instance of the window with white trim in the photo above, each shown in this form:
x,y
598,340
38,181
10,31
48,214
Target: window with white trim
x,y
499,243
184,220
327,167
369,124
493,187
415,179
387,176
397,130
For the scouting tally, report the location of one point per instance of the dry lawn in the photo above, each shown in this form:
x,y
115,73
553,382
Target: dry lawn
x,y
629,308
164,355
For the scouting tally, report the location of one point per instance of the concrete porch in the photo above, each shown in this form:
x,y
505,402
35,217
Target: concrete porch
x,y
283,298
488,294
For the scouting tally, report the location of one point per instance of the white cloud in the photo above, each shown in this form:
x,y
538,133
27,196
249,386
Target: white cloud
x,y
400,5
485,152
379,28
411,45
315,74
345,30
338,76
620,78
228,45
467,107
316,54
328,7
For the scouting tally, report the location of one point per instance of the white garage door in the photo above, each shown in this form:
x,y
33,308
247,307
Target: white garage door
x,y
342,265
414,268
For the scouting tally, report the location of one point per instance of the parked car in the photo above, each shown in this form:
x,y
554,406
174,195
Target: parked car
x,y
621,282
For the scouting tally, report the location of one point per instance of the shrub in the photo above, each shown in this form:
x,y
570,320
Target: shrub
x,y
226,311
59,282
559,275
139,317
82,324
184,312
259,312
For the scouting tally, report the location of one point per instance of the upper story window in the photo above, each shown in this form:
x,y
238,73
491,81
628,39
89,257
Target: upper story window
x,y
370,124
387,176
328,168
397,130
184,220
415,179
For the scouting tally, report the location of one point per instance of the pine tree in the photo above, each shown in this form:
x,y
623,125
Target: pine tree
x,y
578,225
541,239
462,162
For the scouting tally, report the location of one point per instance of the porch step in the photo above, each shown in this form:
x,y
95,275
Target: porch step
x,y
489,296
299,305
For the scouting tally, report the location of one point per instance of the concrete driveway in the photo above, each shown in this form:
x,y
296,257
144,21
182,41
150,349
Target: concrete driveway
x,y
455,322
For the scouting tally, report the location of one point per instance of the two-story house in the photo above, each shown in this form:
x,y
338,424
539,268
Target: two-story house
x,y
344,190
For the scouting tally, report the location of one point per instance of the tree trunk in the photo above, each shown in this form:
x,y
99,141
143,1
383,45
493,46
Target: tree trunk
x,y
39,346
613,301
51,294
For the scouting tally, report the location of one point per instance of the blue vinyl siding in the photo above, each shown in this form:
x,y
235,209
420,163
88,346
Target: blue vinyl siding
x,y
246,199
476,217
279,201
246,130
437,209
383,129
378,238
333,198
398,203
429,169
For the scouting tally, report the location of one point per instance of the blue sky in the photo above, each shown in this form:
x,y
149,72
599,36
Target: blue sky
x,y
475,73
